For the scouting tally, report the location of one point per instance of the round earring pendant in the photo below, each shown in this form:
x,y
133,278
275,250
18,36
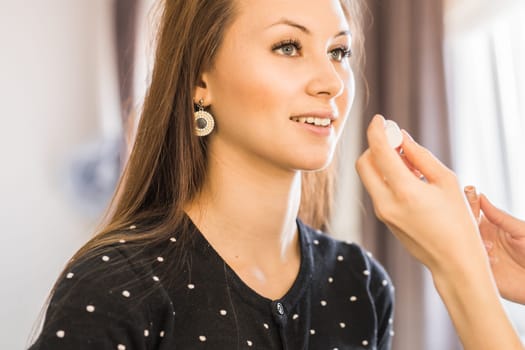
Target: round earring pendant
x,y
204,123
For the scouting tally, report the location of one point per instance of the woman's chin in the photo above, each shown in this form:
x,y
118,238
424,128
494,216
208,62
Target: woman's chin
x,y
317,164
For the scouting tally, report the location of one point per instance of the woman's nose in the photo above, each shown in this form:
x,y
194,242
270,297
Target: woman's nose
x,y
325,80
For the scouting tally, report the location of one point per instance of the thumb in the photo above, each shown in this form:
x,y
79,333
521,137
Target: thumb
x,y
501,218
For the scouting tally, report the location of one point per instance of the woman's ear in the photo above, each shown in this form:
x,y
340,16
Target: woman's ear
x,y
203,91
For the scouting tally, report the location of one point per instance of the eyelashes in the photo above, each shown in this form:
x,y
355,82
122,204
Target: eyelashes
x,y
341,53
289,47
293,47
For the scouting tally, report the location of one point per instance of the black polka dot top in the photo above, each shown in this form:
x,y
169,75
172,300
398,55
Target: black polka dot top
x,y
341,299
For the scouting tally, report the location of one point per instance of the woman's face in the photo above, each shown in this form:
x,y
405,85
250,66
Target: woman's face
x,y
281,86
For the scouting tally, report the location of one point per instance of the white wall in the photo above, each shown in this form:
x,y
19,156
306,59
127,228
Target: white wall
x,y
465,14
50,52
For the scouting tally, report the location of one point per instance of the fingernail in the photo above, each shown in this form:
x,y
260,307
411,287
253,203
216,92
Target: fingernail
x,y
470,192
470,189
379,116
488,245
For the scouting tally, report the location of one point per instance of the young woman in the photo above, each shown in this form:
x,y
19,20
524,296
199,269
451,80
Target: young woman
x,y
213,240
434,222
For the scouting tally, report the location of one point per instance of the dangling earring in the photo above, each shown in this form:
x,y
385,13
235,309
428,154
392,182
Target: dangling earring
x,y
204,122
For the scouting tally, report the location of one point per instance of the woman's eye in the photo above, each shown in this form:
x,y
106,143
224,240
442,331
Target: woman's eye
x,y
340,53
287,48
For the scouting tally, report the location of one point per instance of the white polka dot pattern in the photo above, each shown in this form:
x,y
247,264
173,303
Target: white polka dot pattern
x,y
329,315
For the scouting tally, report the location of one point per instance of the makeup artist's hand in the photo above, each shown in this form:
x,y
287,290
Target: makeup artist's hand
x,y
504,238
431,218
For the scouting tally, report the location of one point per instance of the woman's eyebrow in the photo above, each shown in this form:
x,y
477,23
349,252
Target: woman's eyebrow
x,y
343,33
285,21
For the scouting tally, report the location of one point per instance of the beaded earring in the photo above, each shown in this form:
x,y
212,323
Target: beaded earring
x,y
204,122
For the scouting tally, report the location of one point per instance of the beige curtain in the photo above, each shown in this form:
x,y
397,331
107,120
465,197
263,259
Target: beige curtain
x,y
125,24
125,13
405,77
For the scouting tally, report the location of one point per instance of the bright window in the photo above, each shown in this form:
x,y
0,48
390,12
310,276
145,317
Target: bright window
x,y
485,57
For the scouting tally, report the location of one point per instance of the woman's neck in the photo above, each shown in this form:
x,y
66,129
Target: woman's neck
x,y
246,205
248,212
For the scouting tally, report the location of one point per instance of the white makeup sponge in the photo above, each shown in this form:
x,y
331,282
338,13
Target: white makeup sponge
x,y
393,134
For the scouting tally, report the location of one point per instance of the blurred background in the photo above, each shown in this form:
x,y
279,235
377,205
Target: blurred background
x,y
73,75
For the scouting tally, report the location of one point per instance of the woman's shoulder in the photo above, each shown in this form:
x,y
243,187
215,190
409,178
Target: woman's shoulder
x,y
113,273
110,290
121,262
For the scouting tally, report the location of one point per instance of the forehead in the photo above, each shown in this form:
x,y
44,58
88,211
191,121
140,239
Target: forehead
x,y
317,15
